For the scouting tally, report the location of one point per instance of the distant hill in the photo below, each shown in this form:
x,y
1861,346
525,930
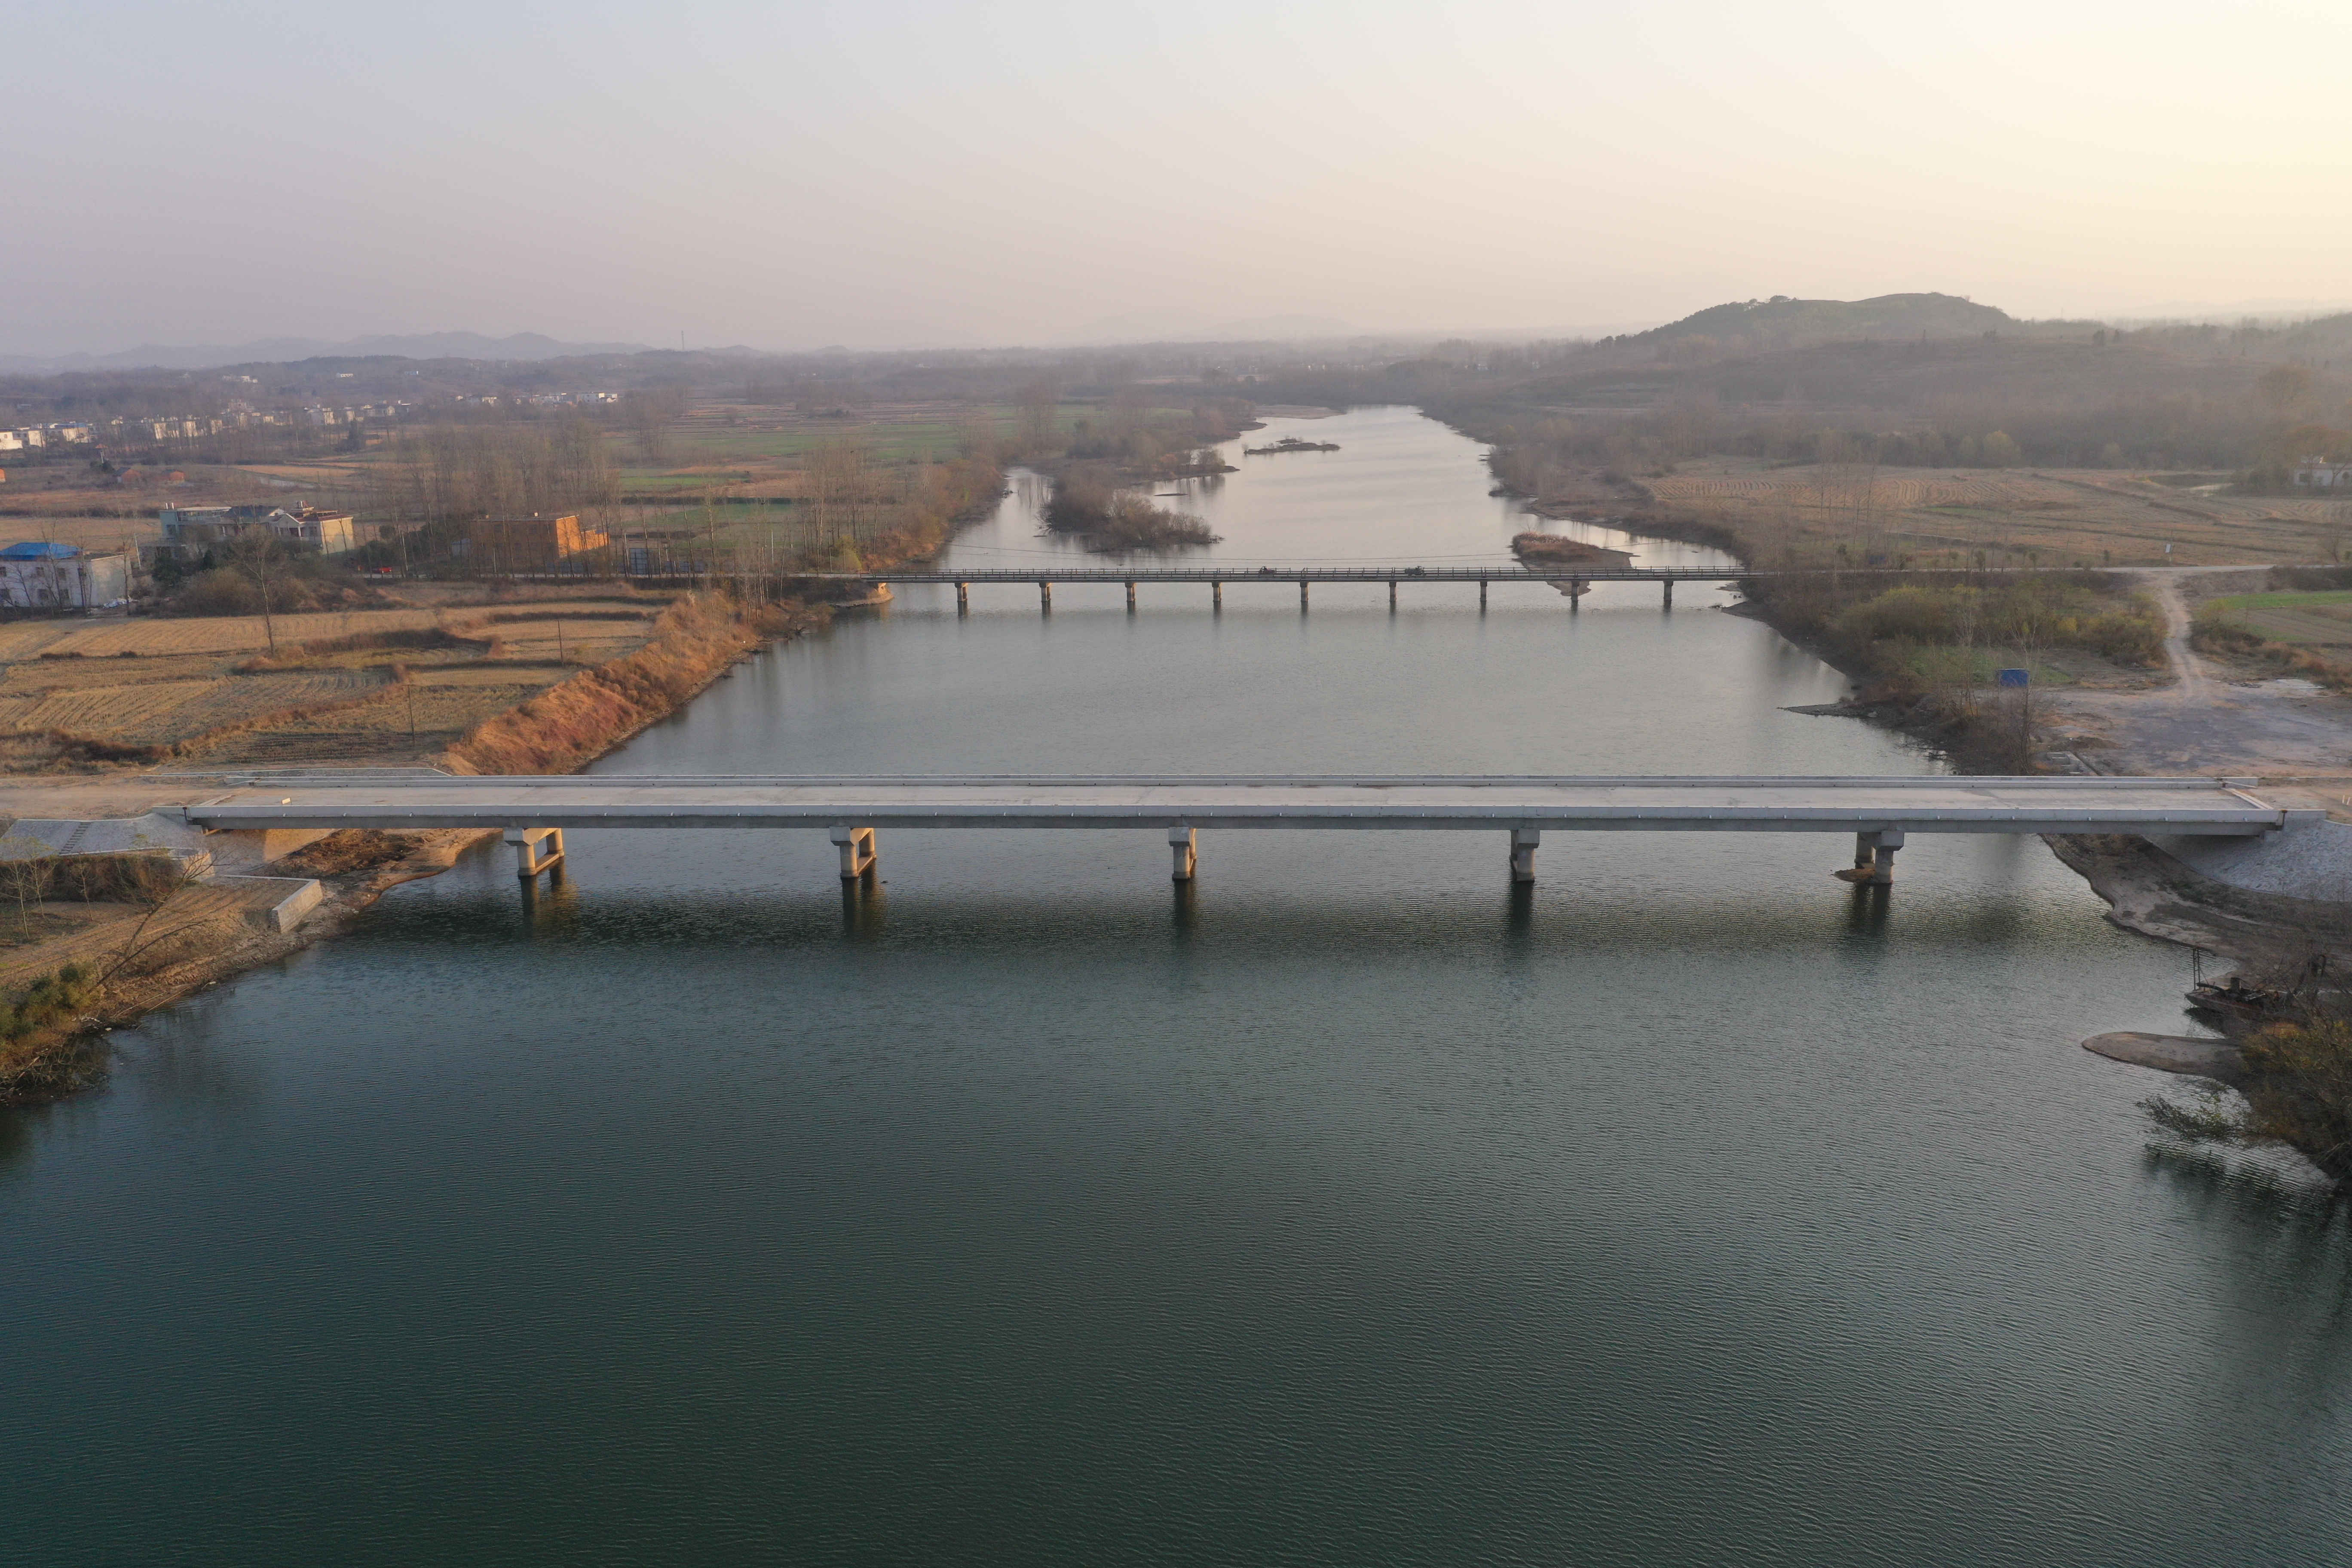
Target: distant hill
x,y
521,346
1782,322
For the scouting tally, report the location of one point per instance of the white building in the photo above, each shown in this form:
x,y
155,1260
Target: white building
x,y
188,531
2319,474
62,577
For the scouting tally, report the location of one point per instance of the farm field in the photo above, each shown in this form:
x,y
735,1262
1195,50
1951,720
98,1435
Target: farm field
x,y
2302,620
2052,516
373,685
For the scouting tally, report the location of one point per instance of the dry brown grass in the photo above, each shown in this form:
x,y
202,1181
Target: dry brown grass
x,y
580,718
165,713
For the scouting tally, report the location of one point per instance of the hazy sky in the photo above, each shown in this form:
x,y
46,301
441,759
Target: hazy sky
x,y
910,172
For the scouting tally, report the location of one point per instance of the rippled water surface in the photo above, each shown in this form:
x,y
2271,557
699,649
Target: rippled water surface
x,y
1694,1209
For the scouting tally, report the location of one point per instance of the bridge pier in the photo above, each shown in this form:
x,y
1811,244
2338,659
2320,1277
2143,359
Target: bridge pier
x,y
1575,595
1217,598
1184,850
1302,595
1523,853
963,598
528,843
1482,595
857,853
1670,593
1393,596
1882,858
1874,857
1044,598
1131,598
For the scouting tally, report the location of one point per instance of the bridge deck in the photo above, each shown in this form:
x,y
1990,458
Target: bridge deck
x,y
1911,805
1060,576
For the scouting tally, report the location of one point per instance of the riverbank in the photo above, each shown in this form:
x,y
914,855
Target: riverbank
x,y
2188,715
175,951
558,729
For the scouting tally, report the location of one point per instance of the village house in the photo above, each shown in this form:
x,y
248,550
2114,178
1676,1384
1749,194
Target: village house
x,y
189,531
527,544
2319,474
43,576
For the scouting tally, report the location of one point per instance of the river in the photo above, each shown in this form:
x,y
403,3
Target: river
x,y
1350,1208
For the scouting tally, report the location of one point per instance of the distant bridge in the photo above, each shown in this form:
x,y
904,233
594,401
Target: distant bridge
x,y
1880,812
1574,579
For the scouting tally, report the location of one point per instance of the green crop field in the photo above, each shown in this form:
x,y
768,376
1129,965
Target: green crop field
x,y
2302,620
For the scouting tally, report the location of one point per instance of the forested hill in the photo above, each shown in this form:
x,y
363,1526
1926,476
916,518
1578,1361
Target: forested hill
x,y
1782,322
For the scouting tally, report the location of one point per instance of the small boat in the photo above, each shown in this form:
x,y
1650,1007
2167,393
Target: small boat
x,y
2235,998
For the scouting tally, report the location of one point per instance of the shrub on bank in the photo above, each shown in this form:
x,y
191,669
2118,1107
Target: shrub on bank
x,y
2029,612
2214,632
1894,631
2298,1094
48,1000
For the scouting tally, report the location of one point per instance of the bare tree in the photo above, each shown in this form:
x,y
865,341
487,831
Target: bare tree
x,y
259,557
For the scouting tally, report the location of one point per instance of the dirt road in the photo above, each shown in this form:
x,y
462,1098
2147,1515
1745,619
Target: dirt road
x,y
2291,733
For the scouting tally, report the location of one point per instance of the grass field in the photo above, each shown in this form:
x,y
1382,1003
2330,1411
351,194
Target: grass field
x,y
2300,620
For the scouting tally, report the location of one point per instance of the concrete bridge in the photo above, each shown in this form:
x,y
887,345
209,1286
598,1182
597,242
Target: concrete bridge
x,y
1575,580
1880,813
